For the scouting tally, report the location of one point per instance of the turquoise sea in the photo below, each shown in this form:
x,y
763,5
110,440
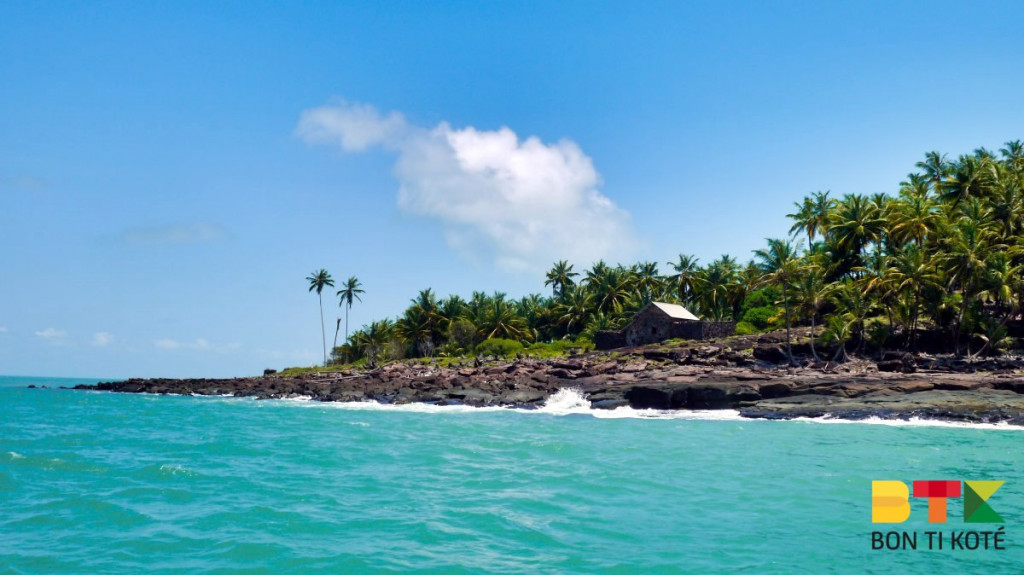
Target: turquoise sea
x,y
107,483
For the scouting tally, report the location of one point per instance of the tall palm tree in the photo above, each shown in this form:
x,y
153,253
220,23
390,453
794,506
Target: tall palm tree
x,y
970,176
854,224
560,278
318,280
687,277
812,215
780,265
810,294
912,274
935,168
967,258
348,293
646,281
575,309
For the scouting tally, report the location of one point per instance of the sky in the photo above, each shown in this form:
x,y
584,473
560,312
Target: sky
x,y
171,172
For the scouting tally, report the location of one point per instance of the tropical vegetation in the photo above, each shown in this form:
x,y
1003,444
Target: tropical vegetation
x,y
937,264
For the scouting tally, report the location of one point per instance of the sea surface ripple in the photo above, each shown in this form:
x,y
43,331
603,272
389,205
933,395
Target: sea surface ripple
x,y
121,483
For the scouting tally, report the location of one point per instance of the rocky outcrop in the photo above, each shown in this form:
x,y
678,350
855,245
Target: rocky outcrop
x,y
735,374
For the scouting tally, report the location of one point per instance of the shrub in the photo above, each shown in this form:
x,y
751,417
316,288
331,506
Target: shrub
x,y
745,328
463,334
760,317
499,347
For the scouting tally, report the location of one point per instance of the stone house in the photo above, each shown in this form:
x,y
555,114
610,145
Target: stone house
x,y
660,321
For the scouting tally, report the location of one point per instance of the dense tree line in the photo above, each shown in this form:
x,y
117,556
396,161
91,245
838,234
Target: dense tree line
x,y
943,256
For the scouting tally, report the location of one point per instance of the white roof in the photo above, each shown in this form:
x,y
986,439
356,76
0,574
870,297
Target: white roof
x,y
676,311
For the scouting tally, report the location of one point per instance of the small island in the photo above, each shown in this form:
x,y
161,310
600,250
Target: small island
x,y
905,305
738,372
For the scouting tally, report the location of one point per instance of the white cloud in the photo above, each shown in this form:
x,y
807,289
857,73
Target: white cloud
x,y
173,234
51,334
523,202
3,329
354,127
198,344
102,339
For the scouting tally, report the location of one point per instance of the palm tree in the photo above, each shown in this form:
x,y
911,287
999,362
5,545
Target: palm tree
x,y
560,278
914,217
780,265
318,280
935,168
501,320
646,281
912,273
575,309
967,257
348,293
970,176
854,224
686,279
810,293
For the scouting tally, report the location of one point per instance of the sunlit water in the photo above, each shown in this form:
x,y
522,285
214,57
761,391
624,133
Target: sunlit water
x,y
120,483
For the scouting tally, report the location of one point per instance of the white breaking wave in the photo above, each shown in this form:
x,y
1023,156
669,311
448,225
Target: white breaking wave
x,y
914,422
572,401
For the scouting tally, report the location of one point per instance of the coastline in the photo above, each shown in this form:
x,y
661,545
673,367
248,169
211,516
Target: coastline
x,y
676,376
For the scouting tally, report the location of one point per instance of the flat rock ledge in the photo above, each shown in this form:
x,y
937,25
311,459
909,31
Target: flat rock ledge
x,y
687,378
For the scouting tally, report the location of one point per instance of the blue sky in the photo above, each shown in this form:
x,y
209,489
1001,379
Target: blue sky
x,y
171,172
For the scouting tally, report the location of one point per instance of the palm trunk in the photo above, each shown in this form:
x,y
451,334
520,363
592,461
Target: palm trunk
x,y
323,331
959,324
813,351
346,328
785,301
337,326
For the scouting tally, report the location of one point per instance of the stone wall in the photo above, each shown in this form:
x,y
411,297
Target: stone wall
x,y
609,339
652,329
713,329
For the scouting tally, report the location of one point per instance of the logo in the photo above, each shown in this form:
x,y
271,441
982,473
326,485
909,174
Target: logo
x,y
890,500
891,503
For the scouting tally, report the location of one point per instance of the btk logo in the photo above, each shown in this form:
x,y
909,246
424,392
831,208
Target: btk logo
x,y
890,500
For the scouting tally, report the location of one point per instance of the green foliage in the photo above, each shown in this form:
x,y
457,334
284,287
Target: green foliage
x,y
945,251
499,347
763,297
746,328
463,335
760,317
558,348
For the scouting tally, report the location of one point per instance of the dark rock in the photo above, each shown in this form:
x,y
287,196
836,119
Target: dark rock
x,y
609,403
640,397
773,353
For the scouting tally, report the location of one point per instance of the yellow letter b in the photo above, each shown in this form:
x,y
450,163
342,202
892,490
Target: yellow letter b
x,y
890,502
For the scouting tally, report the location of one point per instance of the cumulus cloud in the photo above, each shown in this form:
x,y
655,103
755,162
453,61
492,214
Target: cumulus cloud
x,y
102,339
523,202
174,234
51,334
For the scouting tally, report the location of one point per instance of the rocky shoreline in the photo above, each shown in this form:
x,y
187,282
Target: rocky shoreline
x,y
737,373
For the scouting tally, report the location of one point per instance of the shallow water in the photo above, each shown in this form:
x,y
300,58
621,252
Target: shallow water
x,y
120,483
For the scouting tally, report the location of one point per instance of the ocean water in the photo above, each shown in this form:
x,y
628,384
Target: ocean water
x,y
113,483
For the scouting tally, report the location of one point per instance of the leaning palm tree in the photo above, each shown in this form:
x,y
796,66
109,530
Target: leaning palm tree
x,y
780,265
348,293
318,280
